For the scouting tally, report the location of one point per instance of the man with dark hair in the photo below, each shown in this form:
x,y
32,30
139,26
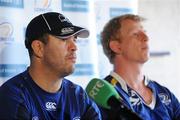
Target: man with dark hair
x,y
41,92
125,43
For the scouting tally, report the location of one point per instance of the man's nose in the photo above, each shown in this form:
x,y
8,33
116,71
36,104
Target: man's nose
x,y
72,44
144,36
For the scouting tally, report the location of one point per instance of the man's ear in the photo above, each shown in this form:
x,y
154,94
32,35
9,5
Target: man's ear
x,y
115,46
37,47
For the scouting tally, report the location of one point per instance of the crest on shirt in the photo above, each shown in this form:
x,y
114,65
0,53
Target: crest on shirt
x,y
164,98
134,99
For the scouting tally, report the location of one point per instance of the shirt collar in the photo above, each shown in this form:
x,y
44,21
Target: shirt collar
x,y
120,80
123,83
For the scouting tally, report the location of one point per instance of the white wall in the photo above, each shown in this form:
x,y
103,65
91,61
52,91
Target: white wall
x,y
163,28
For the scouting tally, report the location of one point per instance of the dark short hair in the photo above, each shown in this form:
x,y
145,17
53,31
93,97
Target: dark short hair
x,y
43,39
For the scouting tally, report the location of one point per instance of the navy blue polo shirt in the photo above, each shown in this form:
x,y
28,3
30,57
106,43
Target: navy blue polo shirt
x,y
22,98
164,106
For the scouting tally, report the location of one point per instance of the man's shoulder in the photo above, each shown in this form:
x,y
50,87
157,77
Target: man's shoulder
x,y
69,84
162,91
12,85
158,86
71,87
74,91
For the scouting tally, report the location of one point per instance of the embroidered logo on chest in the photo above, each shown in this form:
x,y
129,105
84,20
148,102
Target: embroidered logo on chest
x,y
35,118
164,98
76,118
50,106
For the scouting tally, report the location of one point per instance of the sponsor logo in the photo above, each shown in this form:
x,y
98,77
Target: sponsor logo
x,y
75,5
8,70
6,31
50,106
42,5
164,98
35,118
12,3
62,18
119,11
76,118
67,30
84,69
98,37
134,99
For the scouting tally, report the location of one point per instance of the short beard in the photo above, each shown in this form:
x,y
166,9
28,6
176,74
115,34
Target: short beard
x,y
66,73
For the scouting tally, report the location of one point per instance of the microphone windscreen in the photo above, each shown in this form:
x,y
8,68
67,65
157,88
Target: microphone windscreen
x,y
101,91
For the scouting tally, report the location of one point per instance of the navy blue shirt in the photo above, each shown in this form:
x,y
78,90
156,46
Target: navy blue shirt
x,y
22,98
164,106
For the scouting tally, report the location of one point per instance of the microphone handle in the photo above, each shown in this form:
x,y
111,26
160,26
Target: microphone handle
x,y
121,110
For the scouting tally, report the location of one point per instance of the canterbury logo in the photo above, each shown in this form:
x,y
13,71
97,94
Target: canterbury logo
x,y
50,106
67,30
76,118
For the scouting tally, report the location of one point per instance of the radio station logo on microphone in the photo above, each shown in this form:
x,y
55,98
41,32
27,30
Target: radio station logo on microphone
x,y
94,91
6,31
12,3
42,5
119,11
75,5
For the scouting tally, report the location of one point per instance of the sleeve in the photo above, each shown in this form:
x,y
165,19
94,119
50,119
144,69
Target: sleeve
x,y
11,104
92,111
176,107
107,114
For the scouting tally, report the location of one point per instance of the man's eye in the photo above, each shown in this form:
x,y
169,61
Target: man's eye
x,y
64,39
75,40
135,34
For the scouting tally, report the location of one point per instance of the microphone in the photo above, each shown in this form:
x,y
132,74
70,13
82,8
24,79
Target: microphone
x,y
101,91
105,95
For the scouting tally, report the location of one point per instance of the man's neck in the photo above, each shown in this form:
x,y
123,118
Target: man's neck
x,y
45,79
131,73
